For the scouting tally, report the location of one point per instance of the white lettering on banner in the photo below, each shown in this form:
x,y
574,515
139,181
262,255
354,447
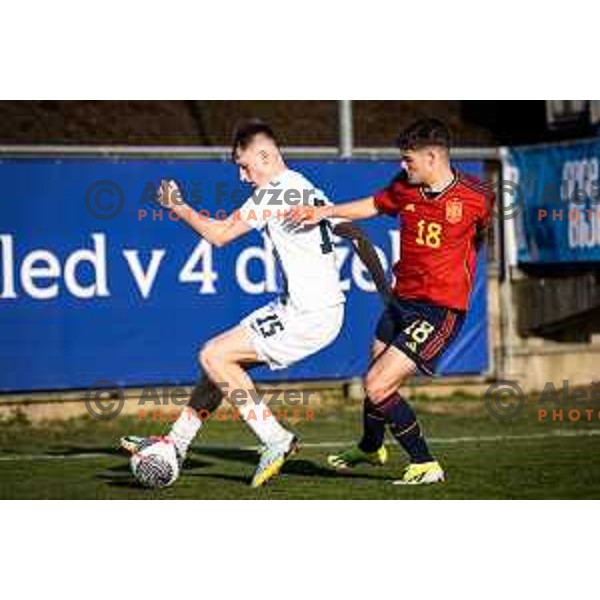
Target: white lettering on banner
x,y
264,255
580,188
583,230
30,271
97,258
341,255
144,279
360,273
268,282
206,276
40,270
580,177
8,276
43,264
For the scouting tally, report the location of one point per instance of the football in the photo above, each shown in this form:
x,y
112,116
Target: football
x,y
156,465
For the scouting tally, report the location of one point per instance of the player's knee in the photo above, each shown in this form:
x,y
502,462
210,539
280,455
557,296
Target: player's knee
x,y
208,357
376,390
378,394
202,357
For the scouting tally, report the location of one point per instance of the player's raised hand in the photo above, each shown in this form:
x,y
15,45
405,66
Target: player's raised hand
x,y
169,194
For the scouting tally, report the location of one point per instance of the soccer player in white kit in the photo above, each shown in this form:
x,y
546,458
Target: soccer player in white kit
x,y
306,316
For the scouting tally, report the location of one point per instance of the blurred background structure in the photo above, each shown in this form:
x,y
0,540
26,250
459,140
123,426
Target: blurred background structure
x,y
300,123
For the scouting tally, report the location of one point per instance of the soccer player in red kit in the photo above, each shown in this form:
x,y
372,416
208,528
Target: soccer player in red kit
x,y
442,215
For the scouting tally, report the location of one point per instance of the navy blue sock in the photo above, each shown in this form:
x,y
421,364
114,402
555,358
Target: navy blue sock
x,y
373,428
405,428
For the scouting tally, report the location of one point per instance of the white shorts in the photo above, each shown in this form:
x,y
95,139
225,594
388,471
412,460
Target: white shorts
x,y
283,335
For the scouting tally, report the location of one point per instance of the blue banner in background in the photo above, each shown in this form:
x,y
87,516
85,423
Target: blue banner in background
x,y
559,209
96,283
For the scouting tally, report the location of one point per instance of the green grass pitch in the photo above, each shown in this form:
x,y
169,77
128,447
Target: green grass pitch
x,y
484,458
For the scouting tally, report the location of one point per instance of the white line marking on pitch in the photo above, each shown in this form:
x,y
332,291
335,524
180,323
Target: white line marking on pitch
x,y
443,440
481,438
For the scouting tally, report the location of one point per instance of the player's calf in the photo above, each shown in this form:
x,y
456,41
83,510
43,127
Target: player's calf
x,y
404,426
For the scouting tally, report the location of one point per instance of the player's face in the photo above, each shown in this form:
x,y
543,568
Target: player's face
x,y
419,165
253,166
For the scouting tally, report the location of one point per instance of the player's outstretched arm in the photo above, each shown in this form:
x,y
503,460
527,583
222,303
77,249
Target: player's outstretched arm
x,y
214,231
351,211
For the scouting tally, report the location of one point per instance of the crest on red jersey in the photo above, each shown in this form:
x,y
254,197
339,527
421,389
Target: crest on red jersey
x,y
454,211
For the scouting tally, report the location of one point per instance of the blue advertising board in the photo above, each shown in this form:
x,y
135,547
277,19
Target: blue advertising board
x,y
97,283
557,192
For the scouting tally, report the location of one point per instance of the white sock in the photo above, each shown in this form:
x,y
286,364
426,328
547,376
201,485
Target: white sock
x,y
184,430
266,427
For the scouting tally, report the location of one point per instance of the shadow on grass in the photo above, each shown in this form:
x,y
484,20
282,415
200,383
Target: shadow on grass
x,y
120,476
83,450
308,468
300,467
244,479
242,455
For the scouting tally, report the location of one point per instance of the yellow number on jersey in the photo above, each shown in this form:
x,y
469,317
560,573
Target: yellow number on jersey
x,y
429,234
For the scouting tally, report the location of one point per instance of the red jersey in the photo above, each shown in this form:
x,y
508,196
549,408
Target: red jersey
x,y
437,238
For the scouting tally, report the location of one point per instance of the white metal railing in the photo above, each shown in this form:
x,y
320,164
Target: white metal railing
x,y
224,152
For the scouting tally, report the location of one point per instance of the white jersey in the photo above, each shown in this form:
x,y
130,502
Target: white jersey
x,y
309,276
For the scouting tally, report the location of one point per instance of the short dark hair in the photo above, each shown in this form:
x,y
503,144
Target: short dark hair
x,y
246,132
423,133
